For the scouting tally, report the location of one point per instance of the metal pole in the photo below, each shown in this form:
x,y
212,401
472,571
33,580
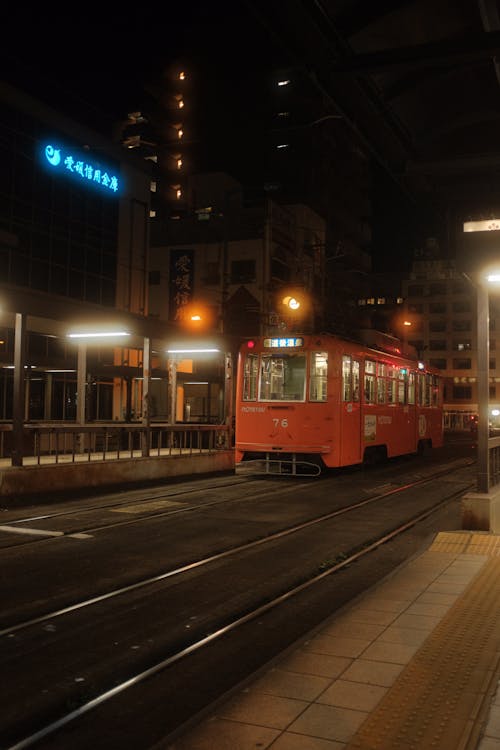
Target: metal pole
x,y
18,394
483,362
80,384
146,374
228,394
80,395
172,377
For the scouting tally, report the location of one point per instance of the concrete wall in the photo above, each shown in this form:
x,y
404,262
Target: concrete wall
x,y
17,482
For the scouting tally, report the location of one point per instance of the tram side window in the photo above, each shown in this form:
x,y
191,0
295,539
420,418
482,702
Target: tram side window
x,y
424,393
391,385
350,379
283,377
346,379
369,382
355,380
381,375
318,380
411,388
402,374
433,390
251,369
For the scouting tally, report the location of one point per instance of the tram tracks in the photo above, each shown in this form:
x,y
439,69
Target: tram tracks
x,y
194,564
142,507
223,622
173,495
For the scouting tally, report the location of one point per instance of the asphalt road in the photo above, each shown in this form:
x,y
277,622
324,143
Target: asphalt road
x,y
103,543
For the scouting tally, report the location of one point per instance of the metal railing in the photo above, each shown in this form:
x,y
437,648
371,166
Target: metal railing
x,y
58,443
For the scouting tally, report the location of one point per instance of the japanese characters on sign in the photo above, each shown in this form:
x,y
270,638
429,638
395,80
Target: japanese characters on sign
x,y
81,167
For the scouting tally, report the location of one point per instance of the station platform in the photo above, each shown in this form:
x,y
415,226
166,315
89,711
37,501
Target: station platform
x,y
412,664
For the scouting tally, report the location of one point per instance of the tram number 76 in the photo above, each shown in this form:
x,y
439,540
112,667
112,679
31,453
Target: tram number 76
x,y
280,422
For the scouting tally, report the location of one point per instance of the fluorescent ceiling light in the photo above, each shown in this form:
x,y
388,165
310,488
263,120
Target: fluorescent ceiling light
x,y
192,351
98,334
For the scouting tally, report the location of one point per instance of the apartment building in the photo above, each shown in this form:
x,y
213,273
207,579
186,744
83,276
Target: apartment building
x,y
440,305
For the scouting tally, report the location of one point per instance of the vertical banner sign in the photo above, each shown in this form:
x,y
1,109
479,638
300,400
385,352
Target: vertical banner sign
x,y
181,282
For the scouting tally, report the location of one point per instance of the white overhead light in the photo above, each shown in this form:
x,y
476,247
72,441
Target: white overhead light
x,y
98,334
192,351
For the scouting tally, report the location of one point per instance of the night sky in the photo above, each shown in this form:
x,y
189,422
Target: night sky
x,y
99,70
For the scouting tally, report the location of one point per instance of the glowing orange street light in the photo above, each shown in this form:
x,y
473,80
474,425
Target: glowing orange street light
x,y
291,302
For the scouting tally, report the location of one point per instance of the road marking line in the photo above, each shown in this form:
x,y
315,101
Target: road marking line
x,y
39,532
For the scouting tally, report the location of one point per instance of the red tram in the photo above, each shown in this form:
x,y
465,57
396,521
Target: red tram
x,y
323,400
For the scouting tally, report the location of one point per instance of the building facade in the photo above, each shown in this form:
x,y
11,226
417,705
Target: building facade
x,y
440,305
74,237
236,259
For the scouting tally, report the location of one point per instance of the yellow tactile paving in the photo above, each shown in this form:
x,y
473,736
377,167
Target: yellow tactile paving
x,y
450,542
411,665
471,543
435,702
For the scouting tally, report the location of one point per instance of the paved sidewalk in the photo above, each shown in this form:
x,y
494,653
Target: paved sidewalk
x,y
412,664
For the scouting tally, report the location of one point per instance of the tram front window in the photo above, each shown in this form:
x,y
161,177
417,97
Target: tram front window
x,y
283,377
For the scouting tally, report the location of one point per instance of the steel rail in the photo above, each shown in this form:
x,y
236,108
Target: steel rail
x,y
219,555
234,624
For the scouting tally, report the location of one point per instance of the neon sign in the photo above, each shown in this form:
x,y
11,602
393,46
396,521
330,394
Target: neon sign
x,y
288,342
81,168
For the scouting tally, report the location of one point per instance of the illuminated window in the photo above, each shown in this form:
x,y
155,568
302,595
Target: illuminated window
x,y
282,377
391,385
318,381
402,377
380,300
369,384
346,379
380,388
251,369
411,388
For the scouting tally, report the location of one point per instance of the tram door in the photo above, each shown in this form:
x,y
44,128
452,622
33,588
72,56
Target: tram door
x,y
350,412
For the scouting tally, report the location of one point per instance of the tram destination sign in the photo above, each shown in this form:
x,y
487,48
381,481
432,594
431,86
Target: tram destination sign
x,y
286,342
